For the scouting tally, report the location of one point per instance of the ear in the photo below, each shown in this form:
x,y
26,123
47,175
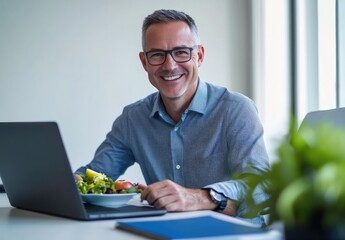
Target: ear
x,y
143,60
201,52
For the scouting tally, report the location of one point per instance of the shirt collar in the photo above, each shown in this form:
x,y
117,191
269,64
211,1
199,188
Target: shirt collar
x,y
199,100
198,103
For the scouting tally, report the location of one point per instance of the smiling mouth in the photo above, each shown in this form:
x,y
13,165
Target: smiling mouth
x,y
172,78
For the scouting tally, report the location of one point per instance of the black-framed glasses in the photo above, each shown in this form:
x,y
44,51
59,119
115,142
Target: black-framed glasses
x,y
179,54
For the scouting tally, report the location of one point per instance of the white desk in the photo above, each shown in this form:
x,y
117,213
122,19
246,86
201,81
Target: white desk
x,y
21,224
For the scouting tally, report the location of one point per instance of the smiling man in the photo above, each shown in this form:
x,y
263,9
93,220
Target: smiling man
x,y
191,137
174,73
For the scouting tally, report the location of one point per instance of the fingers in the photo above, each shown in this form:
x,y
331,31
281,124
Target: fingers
x,y
165,195
151,193
142,186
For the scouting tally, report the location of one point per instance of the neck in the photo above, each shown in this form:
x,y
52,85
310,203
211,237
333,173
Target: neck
x,y
175,108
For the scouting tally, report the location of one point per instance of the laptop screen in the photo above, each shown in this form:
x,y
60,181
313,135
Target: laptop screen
x,y
37,174
334,116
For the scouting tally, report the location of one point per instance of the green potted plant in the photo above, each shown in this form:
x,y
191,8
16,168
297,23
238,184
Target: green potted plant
x,y
306,184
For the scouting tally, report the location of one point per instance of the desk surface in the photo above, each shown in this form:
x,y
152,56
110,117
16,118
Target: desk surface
x,y
21,224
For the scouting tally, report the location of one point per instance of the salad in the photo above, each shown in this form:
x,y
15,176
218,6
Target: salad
x,y
98,183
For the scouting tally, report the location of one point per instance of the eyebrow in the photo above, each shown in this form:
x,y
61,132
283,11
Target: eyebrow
x,y
159,49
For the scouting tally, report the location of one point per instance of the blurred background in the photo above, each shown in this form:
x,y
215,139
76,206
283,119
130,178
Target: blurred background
x,y
76,62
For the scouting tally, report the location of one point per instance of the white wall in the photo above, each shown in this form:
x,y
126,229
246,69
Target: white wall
x,y
76,62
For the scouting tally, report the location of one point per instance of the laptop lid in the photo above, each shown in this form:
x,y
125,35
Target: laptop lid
x,y
37,175
334,116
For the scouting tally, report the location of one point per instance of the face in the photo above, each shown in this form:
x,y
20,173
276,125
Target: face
x,y
174,81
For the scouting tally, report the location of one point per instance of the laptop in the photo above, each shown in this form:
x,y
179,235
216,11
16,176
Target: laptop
x,y
37,175
334,116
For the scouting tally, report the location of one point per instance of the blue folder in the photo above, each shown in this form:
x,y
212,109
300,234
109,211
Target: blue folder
x,y
187,228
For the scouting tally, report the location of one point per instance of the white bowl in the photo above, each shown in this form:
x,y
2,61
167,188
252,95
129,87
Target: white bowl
x,y
108,200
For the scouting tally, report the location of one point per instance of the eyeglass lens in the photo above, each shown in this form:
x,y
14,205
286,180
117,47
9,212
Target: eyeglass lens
x,y
180,55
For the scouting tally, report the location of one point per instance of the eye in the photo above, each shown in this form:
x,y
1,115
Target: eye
x,y
183,52
156,54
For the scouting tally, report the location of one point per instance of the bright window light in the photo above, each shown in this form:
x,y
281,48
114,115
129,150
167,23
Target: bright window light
x,y
327,53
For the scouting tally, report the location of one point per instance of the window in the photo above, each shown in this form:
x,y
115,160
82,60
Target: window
x,y
299,61
340,16
271,68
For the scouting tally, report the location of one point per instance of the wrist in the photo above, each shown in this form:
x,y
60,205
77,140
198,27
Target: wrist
x,y
219,200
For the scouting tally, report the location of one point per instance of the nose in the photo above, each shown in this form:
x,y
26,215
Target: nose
x,y
169,62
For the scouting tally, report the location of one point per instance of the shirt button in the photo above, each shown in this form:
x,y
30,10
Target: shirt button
x,y
178,166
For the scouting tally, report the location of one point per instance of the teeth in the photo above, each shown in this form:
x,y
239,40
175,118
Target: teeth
x,y
171,78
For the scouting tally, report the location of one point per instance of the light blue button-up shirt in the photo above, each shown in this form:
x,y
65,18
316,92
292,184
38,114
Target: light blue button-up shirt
x,y
219,135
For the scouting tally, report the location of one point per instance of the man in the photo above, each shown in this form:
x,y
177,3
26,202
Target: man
x,y
189,138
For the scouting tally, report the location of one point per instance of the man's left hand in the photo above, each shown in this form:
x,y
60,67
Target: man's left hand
x,y
173,197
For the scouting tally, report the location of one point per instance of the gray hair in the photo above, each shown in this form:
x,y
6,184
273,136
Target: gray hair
x,y
166,16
